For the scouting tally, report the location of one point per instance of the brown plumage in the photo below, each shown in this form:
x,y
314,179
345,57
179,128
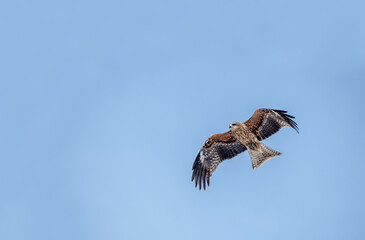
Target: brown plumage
x,y
242,136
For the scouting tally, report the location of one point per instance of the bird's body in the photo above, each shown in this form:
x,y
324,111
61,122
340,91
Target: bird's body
x,y
242,136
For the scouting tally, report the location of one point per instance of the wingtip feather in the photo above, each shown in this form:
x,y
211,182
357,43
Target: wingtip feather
x,y
289,119
204,175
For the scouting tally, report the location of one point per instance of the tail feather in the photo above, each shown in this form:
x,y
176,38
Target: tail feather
x,y
259,157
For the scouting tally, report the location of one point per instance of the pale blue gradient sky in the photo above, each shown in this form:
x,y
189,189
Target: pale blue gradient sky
x,y
105,105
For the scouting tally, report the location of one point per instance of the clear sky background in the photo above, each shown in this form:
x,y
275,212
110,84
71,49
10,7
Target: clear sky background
x,y
105,105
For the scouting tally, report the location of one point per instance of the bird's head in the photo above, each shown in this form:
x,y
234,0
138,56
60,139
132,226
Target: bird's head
x,y
234,125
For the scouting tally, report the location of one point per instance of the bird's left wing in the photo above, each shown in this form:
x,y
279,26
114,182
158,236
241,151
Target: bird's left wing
x,y
266,122
216,149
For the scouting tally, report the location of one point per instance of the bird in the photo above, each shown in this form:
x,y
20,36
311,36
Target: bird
x,y
242,136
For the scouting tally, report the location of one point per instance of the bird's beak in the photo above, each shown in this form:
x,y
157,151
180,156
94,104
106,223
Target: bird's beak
x,y
230,126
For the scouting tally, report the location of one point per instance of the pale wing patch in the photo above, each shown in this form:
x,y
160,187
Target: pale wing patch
x,y
202,157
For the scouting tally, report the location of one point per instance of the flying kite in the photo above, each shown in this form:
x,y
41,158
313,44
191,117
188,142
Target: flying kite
x,y
242,136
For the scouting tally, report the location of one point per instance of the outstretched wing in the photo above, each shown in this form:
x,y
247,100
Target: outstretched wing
x,y
216,149
265,122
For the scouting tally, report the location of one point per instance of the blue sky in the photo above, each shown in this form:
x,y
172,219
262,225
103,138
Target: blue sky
x,y
105,106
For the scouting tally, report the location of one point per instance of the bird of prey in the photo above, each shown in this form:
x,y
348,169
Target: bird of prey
x,y
242,136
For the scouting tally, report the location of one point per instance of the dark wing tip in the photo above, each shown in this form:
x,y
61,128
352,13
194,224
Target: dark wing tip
x,y
200,174
201,177
288,119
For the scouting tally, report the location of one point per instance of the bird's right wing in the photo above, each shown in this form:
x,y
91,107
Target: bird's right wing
x,y
216,149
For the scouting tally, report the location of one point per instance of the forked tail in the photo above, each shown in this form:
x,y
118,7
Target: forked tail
x,y
259,157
